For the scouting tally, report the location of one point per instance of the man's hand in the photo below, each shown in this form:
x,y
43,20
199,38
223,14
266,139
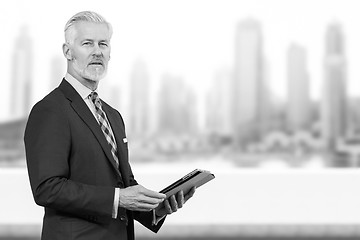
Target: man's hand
x,y
138,198
173,203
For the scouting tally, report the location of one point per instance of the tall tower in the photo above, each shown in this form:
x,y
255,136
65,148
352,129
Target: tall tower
x,y
57,71
177,107
299,106
218,104
21,75
334,104
249,90
139,123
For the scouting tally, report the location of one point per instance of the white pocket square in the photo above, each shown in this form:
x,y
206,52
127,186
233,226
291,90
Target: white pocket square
x,y
125,140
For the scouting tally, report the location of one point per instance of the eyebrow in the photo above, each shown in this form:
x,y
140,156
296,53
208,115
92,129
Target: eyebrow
x,y
87,40
92,40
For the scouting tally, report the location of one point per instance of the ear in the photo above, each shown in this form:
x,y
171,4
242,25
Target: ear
x,y
67,51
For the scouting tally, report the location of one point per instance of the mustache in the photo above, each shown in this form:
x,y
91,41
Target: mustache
x,y
96,61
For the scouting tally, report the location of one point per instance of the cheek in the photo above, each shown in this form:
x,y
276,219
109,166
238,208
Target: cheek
x,y
106,54
81,56
81,62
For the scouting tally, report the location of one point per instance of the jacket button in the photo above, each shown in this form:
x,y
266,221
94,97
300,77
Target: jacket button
x,y
124,219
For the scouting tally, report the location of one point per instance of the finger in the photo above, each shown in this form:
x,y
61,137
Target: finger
x,y
167,207
189,194
153,194
180,199
173,203
145,207
150,200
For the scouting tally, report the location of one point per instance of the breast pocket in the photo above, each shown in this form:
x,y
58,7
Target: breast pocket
x,y
124,147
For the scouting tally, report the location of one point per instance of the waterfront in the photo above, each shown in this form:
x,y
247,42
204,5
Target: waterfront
x,y
263,202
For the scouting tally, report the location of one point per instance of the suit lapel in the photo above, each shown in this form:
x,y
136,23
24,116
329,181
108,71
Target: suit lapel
x,y
85,114
119,132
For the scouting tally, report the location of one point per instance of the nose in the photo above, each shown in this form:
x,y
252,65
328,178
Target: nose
x,y
97,51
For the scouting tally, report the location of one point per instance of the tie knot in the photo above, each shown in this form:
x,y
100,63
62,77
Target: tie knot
x,y
94,97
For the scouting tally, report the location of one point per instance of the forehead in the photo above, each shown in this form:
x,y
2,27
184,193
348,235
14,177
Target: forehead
x,y
91,30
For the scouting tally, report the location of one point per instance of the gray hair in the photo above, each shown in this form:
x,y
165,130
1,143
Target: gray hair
x,y
86,16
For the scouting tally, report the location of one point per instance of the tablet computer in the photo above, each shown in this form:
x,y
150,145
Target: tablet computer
x,y
195,178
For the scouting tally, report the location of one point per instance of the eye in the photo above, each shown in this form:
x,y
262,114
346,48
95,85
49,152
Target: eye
x,y
87,43
103,44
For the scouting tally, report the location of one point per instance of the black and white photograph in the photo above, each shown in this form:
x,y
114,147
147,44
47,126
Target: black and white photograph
x,y
169,119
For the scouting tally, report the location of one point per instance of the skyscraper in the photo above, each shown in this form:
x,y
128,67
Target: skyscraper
x,y
139,123
299,106
218,104
57,71
249,95
334,104
21,75
177,107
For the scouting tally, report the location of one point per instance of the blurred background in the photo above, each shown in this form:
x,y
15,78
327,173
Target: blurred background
x,y
264,94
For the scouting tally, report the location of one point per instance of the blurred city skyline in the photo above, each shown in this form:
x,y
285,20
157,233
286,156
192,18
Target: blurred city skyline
x,y
143,97
239,104
191,40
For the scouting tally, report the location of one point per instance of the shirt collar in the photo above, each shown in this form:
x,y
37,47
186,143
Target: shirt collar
x,y
80,88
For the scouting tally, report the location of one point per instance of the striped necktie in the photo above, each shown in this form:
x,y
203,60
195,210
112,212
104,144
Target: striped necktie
x,y
105,125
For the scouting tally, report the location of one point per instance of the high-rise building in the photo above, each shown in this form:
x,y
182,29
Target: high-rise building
x,y
250,93
334,103
354,116
218,104
177,107
140,122
57,71
21,78
111,93
299,104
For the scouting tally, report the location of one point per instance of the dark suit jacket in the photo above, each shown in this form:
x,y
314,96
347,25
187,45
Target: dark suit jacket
x,y
72,172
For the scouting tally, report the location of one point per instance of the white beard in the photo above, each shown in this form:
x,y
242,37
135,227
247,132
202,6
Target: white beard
x,y
85,73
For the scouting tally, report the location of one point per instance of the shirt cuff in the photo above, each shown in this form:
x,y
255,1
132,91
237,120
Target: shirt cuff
x,y
116,203
156,219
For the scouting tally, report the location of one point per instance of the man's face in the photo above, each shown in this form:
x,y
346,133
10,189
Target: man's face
x,y
90,50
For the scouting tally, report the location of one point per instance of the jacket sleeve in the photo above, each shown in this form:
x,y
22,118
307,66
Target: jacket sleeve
x,y
48,148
